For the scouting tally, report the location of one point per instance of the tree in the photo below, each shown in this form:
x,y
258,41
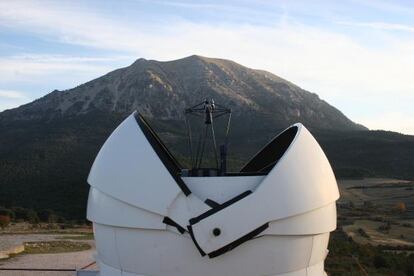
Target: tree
x,y
20,213
380,261
6,216
400,207
4,221
48,215
32,217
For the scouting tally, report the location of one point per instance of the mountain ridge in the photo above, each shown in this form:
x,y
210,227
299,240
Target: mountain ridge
x,y
178,84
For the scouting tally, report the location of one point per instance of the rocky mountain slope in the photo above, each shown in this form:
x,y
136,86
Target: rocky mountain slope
x,y
164,89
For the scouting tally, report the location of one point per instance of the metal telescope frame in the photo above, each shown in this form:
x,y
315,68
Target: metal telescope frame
x,y
210,111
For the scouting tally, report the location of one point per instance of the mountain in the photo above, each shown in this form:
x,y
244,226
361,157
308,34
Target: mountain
x,y
48,145
164,89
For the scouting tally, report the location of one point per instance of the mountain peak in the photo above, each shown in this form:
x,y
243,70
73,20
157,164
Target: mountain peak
x,y
198,58
192,58
138,61
195,57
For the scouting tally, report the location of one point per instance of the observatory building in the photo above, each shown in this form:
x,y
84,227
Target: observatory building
x,y
152,217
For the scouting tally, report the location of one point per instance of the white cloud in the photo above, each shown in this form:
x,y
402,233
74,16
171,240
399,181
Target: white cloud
x,y
68,23
10,94
53,68
389,6
379,25
40,74
191,5
332,64
11,99
306,55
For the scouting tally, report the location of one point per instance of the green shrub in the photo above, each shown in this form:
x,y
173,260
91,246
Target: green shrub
x,y
32,217
48,215
20,213
380,261
7,212
363,233
4,221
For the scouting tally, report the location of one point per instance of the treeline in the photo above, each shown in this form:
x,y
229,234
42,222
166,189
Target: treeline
x,y
20,214
47,167
45,164
369,153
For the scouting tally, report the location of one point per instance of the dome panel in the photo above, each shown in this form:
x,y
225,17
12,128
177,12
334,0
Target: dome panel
x,y
171,254
304,224
106,244
128,168
319,249
300,182
221,188
104,209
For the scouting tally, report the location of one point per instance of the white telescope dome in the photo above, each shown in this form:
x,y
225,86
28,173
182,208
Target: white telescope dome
x,y
272,218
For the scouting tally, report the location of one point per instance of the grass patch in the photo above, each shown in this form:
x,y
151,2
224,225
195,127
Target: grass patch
x,y
50,247
83,237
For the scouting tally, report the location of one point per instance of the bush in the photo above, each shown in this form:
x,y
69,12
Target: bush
x,y
362,233
48,216
32,217
385,227
377,218
4,221
380,261
20,213
52,226
400,207
368,205
6,216
7,212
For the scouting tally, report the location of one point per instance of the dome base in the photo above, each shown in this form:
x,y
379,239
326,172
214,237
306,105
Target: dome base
x,y
315,270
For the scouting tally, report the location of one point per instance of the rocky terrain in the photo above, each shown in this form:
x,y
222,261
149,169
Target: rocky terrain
x,y
164,89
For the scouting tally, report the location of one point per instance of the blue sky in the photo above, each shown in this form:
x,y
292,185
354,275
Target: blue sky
x,y
357,55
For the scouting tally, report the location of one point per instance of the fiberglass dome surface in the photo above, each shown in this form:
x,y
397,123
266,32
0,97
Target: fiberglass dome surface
x,y
272,218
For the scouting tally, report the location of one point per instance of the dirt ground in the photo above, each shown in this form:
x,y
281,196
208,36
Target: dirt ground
x,y
368,210
397,235
70,260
